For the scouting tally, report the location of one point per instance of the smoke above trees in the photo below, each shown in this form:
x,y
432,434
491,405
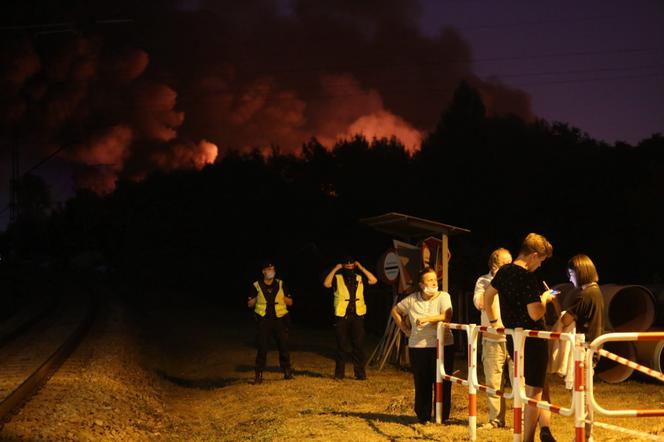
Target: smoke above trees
x,y
180,82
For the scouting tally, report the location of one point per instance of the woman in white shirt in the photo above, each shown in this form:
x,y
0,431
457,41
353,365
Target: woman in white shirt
x,y
424,309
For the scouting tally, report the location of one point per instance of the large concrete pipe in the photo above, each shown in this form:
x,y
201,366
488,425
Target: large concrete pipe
x,y
658,292
628,308
613,372
651,354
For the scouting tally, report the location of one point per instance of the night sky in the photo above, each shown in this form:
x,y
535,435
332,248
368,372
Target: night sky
x,y
122,89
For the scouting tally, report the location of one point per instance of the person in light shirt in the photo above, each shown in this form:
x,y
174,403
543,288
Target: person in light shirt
x,y
494,347
417,316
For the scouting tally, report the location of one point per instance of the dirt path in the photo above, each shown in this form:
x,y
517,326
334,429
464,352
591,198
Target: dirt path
x,y
214,398
185,374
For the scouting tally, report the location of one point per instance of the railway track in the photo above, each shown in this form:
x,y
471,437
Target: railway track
x,y
31,355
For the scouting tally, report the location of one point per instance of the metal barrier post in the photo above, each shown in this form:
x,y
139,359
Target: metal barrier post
x,y
439,378
517,339
579,402
442,375
472,378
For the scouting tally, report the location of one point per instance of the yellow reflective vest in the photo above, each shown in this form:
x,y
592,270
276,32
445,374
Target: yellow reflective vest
x,y
342,297
279,301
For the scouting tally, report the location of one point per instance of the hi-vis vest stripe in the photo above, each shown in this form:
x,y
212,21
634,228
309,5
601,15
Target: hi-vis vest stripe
x,y
342,297
279,302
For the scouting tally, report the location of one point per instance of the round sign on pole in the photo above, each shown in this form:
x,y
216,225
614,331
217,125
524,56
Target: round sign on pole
x,y
389,267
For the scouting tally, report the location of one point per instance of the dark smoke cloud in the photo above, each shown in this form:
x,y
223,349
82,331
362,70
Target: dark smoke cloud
x,y
95,104
186,76
326,69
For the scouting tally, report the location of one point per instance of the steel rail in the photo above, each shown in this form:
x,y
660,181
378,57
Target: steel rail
x,y
31,385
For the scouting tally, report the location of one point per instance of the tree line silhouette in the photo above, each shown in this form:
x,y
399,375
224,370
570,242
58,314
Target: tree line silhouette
x,y
203,233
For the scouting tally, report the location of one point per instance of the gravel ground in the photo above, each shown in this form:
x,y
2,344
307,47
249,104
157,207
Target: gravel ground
x,y
100,393
184,373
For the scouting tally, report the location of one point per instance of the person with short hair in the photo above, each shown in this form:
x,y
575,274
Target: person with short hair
x,y
494,347
349,311
270,300
523,300
588,308
418,315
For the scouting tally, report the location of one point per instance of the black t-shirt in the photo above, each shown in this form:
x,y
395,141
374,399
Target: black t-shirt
x,y
517,287
588,311
350,279
270,293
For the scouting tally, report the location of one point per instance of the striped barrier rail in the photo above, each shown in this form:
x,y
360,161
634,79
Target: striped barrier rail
x,y
474,332
577,408
593,406
442,375
519,400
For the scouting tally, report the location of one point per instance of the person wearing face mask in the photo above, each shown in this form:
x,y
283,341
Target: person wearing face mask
x,y
347,281
494,347
523,300
270,300
417,315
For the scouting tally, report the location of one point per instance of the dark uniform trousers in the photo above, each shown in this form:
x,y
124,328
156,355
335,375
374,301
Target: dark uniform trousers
x,y
423,364
350,330
278,329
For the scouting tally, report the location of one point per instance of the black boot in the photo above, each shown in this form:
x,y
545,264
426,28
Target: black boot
x,y
545,435
259,377
288,374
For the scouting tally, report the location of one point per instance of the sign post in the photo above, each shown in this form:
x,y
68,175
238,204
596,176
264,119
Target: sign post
x,y
389,270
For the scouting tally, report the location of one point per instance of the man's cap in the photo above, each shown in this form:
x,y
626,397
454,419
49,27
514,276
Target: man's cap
x,y
348,259
267,263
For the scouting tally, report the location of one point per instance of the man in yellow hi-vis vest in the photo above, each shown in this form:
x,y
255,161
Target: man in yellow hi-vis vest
x,y
349,311
270,300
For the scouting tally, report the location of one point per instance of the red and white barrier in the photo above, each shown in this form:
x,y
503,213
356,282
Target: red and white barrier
x,y
595,348
583,403
441,375
518,336
577,407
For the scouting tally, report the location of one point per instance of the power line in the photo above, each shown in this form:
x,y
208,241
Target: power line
x,y
596,79
537,22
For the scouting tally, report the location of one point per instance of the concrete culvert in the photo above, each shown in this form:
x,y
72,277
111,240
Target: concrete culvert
x,y
628,308
612,372
651,354
658,292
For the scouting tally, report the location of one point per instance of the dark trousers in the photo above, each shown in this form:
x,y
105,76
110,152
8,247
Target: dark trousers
x,y
276,328
423,364
350,331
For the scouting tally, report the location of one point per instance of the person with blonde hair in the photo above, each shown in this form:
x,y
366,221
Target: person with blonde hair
x,y
494,347
523,299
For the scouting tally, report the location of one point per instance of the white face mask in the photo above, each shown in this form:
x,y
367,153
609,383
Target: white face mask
x,y
431,290
268,274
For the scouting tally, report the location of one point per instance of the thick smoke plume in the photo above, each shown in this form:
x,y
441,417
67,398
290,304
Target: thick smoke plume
x,y
184,77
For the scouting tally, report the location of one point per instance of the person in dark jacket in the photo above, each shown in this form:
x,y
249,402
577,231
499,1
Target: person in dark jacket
x,y
270,300
347,281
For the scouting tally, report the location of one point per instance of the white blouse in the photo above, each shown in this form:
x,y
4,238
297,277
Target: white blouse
x,y
416,307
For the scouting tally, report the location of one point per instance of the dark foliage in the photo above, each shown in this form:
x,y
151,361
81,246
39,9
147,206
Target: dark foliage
x,y
204,233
